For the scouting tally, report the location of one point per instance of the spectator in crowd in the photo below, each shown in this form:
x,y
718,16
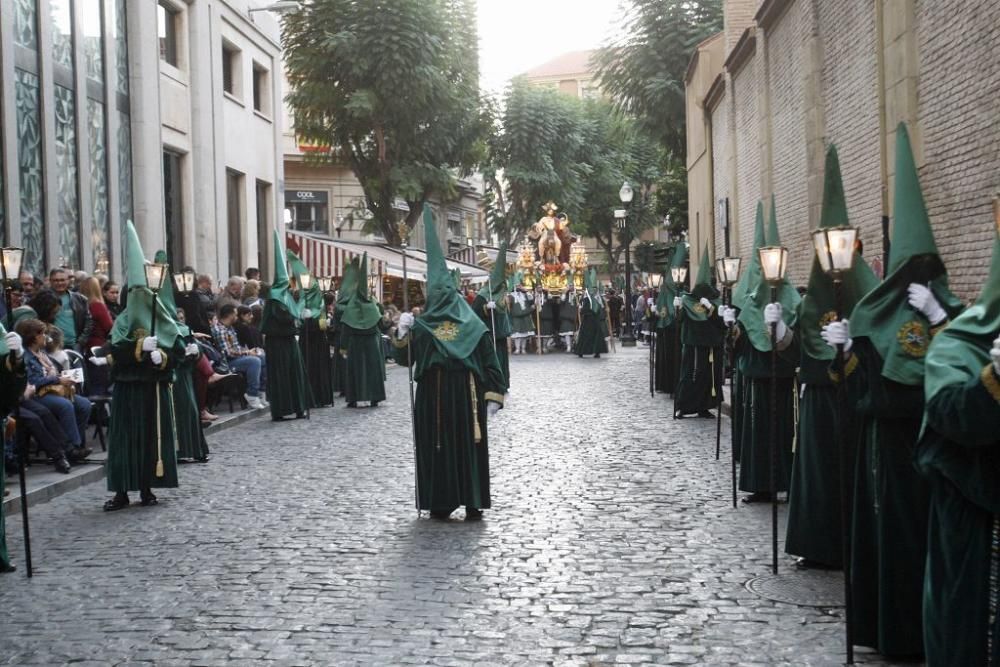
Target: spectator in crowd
x,y
111,292
73,317
251,293
28,283
249,362
102,280
55,392
97,375
45,303
232,295
37,421
252,273
246,328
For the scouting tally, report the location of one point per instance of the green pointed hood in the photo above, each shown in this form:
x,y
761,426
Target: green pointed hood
x,y
900,333
456,275
702,288
138,313
348,282
498,278
593,291
166,296
358,310
669,289
447,319
752,313
959,353
818,307
280,295
311,298
751,273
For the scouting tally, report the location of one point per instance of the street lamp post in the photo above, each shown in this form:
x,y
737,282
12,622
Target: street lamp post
x,y
728,272
625,194
774,262
679,274
655,280
835,252
305,282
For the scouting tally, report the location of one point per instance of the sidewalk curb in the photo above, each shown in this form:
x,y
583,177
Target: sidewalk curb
x,y
97,471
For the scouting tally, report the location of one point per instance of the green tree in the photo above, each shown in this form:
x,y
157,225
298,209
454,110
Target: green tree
x,y
392,87
535,155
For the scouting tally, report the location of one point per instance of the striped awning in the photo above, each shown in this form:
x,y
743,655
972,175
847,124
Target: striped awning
x,y
325,257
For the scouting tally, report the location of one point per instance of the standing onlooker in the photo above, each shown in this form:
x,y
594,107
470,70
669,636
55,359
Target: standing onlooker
x,y
111,292
232,295
253,273
28,284
73,318
103,322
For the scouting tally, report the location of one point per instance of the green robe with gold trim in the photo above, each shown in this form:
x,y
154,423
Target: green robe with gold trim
x,y
699,383
191,443
143,425
13,380
453,463
364,363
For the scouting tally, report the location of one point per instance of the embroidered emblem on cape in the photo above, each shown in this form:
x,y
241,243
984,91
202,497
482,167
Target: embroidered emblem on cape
x,y
662,312
700,309
828,318
912,337
446,332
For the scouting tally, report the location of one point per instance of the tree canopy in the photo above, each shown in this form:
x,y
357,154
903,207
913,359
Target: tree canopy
x,y
392,88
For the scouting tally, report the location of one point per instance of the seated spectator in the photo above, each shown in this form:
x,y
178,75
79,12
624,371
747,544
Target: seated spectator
x,y
55,392
241,358
37,421
232,295
246,329
46,305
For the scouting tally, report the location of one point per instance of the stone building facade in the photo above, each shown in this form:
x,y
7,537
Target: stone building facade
x,y
807,73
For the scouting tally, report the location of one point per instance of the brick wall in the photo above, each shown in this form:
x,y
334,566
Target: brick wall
x,y
747,153
959,109
738,16
721,168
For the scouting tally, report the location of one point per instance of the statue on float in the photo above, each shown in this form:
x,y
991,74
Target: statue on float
x,y
554,259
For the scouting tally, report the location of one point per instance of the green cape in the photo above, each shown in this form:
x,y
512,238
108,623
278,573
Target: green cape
x,y
751,273
961,351
702,289
312,298
279,292
593,291
357,310
818,306
4,349
447,317
138,313
456,274
669,289
752,313
900,333
498,278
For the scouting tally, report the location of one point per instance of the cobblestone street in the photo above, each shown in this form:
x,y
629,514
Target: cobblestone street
x,y
612,540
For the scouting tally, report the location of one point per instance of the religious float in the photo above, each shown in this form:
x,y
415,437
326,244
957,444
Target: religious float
x,y
551,256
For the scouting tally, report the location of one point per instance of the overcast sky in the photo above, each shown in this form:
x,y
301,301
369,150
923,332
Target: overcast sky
x,y
517,35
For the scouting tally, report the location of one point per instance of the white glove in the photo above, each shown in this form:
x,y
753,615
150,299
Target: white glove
x,y
995,355
728,315
307,314
921,298
14,343
490,305
492,407
156,357
405,323
148,344
99,361
191,350
838,333
772,313
677,302
706,303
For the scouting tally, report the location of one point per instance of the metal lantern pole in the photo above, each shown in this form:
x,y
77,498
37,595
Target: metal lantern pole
x,y
404,235
721,390
625,195
774,437
305,280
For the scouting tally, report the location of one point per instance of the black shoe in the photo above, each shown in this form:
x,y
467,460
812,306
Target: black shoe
x,y
706,414
374,404
146,498
203,459
597,356
440,514
78,454
473,514
9,567
352,404
62,465
759,497
119,502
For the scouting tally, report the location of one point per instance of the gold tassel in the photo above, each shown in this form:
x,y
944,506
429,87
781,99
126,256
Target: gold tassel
x,y
795,414
475,409
711,361
159,435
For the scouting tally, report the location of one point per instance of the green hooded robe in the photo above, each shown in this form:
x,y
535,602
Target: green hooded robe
x,y
699,384
593,320
814,499
314,346
522,310
13,380
287,387
359,321
457,372
891,499
498,322
667,354
959,453
757,440
141,438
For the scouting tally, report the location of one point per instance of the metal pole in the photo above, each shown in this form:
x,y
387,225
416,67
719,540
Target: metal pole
x,y
539,304
774,439
732,407
305,357
677,354
720,391
22,457
652,354
493,320
843,432
886,246
628,339
409,371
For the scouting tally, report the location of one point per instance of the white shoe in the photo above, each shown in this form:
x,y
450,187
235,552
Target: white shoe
x,y
253,402
263,400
